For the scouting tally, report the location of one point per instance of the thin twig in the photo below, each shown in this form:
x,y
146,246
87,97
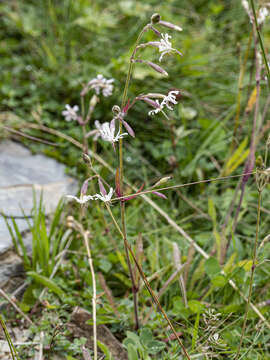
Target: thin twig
x,y
2,292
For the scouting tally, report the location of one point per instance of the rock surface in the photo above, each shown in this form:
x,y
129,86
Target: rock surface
x,y
22,174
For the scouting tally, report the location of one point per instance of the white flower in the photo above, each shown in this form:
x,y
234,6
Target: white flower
x,y
107,130
71,112
104,198
83,198
165,46
170,98
216,337
157,110
263,13
100,83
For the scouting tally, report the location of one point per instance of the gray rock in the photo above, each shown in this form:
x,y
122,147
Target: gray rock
x,y
23,174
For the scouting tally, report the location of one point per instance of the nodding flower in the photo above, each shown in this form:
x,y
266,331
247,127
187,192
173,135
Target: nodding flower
x,y
82,199
165,46
167,100
100,83
106,131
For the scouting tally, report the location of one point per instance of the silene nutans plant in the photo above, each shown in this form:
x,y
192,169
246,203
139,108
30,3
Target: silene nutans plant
x,y
115,133
212,307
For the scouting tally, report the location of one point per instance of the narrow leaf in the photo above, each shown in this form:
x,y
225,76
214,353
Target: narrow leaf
x,y
43,280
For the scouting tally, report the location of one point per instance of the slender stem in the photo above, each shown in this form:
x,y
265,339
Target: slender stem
x,y
261,42
151,191
10,344
121,173
252,273
147,284
94,298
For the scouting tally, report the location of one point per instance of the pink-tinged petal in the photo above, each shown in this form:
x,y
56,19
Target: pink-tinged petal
x,y
125,108
112,126
128,128
84,187
151,102
160,194
101,187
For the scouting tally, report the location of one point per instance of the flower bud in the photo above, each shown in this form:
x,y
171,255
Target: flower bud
x,y
158,68
170,25
155,18
116,109
86,158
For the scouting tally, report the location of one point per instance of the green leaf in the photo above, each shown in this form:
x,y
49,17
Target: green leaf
x,y
195,306
146,336
105,350
43,280
212,267
155,346
219,281
132,353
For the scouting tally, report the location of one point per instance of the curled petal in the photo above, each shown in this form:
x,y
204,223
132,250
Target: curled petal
x,y
101,187
160,194
128,128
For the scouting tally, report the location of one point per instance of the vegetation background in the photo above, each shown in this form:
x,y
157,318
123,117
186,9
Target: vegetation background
x,y
49,49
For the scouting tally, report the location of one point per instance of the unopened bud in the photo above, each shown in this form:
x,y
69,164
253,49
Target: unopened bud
x,y
155,18
259,161
93,102
157,68
86,158
170,25
162,181
116,109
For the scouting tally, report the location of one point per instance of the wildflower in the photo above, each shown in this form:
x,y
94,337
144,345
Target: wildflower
x,y
262,15
170,98
71,112
165,46
82,199
107,130
100,83
104,197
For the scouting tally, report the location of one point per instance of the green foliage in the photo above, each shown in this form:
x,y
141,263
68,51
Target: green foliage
x,y
142,346
48,51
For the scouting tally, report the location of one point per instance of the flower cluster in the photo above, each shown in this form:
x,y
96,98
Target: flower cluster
x,y
169,99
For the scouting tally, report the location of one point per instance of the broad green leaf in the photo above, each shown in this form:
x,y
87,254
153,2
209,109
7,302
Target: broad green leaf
x,y
132,353
219,281
155,346
195,306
